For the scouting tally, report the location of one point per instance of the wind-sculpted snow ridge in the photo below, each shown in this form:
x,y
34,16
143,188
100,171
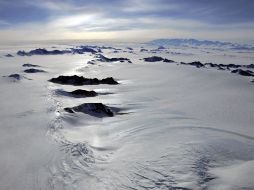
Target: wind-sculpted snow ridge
x,y
200,43
78,155
79,150
80,80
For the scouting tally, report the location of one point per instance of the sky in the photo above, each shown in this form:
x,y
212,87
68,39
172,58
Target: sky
x,y
134,20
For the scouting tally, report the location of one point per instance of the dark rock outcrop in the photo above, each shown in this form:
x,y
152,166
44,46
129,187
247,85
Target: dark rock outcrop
x,y
91,62
251,66
9,55
30,65
108,80
168,61
194,63
102,58
223,66
243,72
32,70
41,51
82,50
15,76
143,50
83,93
76,50
111,48
161,48
153,59
157,59
22,53
93,109
231,66
211,64
80,80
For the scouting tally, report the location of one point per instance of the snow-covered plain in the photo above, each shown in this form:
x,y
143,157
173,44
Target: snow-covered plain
x,y
183,127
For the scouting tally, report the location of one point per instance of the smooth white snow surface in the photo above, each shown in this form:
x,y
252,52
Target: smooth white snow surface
x,y
185,127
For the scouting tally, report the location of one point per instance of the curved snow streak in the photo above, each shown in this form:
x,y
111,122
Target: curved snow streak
x,y
184,163
155,148
170,151
78,156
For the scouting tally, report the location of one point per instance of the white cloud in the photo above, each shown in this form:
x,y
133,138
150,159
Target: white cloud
x,y
80,22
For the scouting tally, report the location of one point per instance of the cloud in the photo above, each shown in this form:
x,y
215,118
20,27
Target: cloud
x,y
82,18
207,11
20,12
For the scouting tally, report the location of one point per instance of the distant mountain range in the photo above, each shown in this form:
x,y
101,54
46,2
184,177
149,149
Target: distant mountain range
x,y
200,43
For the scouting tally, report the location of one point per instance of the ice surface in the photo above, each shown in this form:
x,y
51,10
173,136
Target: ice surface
x,y
181,127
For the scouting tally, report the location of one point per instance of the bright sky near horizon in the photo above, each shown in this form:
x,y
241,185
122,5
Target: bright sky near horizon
x,y
126,19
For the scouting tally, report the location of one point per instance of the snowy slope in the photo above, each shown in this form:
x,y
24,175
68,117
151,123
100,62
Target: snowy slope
x,y
181,127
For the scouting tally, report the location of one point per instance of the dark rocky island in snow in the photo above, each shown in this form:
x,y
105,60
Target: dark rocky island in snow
x,y
93,109
247,73
80,80
15,76
168,61
9,55
30,65
82,50
157,59
250,66
198,64
91,62
83,93
32,70
102,58
42,51
143,50
153,59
